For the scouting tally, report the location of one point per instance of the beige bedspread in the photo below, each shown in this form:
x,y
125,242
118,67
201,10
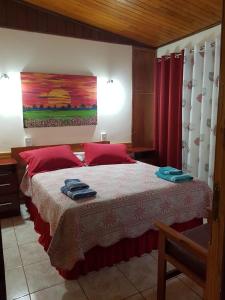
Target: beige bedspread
x,y
129,199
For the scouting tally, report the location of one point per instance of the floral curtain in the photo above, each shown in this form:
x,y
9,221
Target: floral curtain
x,y
199,109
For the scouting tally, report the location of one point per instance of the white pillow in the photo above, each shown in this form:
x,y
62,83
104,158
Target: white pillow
x,y
79,155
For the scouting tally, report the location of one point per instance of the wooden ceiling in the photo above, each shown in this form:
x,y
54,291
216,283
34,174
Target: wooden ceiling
x,y
152,22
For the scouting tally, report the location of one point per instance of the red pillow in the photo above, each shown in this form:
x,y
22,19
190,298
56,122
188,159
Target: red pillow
x,y
50,159
106,154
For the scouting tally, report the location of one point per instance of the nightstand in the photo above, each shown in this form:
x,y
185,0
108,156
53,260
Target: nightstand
x,y
9,188
144,154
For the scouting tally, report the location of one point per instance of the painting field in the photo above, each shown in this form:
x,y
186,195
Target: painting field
x,y
47,118
51,100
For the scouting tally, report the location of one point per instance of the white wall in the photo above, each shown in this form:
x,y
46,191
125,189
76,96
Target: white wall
x,y
34,52
190,41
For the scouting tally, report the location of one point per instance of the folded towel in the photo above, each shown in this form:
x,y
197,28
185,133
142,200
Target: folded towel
x,y
170,171
79,193
174,178
75,184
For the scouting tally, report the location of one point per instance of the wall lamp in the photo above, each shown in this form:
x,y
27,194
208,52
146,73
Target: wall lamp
x,y
4,76
109,81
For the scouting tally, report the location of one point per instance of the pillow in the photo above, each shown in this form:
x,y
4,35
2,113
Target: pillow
x,y
50,159
79,155
106,154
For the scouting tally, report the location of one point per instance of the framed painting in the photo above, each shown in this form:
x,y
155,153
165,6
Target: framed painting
x,y
51,100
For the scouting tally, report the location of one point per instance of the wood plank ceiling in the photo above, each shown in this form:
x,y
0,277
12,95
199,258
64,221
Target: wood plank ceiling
x,y
152,22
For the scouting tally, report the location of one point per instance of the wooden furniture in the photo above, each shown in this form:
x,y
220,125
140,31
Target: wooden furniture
x,y
216,257
143,98
22,165
145,154
187,251
9,200
124,249
2,270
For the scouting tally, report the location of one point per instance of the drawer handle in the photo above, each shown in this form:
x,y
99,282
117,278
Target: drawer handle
x,y
5,204
4,174
5,184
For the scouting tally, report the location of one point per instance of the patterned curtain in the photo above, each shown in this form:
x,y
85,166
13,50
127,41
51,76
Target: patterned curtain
x,y
199,110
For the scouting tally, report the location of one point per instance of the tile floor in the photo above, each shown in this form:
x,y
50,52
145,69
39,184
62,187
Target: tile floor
x,y
29,275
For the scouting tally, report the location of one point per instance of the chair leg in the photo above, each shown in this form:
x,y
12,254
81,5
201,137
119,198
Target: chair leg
x,y
161,283
204,297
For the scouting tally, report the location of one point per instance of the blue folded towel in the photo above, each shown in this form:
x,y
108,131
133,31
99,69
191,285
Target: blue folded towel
x,y
75,184
170,171
174,178
78,193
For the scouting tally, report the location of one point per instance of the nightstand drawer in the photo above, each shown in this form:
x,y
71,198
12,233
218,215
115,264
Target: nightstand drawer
x,y
7,176
9,203
12,198
8,186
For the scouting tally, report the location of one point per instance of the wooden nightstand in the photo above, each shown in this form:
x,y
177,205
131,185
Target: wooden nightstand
x,y
9,188
144,154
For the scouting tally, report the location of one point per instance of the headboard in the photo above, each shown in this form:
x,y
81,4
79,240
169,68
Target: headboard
x,y
22,165
75,147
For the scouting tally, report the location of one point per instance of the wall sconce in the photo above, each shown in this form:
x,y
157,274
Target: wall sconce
x,y
4,76
109,81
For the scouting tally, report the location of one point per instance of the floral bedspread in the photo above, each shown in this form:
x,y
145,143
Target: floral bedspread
x,y
129,200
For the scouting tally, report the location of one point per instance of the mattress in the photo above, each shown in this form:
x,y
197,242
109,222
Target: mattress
x,y
129,199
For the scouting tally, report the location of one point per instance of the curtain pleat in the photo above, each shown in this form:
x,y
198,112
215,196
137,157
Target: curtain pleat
x,y
168,97
215,97
174,134
195,113
199,110
206,108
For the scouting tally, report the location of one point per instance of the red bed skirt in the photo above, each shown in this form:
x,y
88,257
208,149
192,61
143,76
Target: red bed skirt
x,y
99,257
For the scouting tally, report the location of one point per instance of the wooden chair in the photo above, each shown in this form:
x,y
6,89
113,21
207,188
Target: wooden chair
x,y
187,251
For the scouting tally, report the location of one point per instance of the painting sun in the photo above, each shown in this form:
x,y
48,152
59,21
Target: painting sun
x,y
51,100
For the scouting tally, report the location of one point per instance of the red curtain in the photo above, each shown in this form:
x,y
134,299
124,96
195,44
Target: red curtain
x,y
168,109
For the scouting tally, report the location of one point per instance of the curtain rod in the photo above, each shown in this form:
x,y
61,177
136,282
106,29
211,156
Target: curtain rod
x,y
202,48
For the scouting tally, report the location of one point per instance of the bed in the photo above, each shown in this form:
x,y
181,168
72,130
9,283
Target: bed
x,y
85,235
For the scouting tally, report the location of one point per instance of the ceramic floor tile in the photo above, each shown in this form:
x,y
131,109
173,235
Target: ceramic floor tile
x,y
141,271
25,234
69,290
32,253
108,283
154,254
25,298
7,224
191,284
16,285
9,239
175,290
12,258
20,221
24,212
41,275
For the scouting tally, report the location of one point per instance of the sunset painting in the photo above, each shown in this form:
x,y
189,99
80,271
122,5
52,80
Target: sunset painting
x,y
51,100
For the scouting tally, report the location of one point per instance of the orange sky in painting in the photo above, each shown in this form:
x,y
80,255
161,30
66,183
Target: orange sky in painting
x,y
56,90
